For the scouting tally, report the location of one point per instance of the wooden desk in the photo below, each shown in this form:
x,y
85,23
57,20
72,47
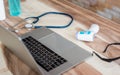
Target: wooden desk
x,y
15,66
92,66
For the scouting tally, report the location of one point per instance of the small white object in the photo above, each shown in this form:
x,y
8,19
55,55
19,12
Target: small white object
x,y
16,31
89,34
85,35
28,26
94,28
2,10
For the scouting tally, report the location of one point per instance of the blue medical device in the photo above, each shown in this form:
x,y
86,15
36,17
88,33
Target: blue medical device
x,y
14,7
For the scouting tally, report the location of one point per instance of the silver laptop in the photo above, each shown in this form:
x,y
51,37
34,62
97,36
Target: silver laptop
x,y
44,50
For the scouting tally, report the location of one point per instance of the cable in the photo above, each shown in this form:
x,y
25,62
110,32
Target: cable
x,y
110,45
105,59
108,59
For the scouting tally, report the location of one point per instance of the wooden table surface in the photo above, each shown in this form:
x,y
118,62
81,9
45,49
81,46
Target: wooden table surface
x,y
83,20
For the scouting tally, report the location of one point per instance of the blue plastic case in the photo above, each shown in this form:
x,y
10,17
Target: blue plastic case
x,y
14,7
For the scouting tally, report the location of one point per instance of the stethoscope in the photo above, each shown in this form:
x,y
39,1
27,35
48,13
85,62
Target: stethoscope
x,y
36,19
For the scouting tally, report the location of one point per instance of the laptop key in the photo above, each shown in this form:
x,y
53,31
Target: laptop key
x,y
44,56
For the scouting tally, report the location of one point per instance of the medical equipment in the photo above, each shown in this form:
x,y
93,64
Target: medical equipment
x,y
89,34
31,25
14,7
85,36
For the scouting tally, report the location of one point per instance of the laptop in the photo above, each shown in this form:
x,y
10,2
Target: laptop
x,y
44,50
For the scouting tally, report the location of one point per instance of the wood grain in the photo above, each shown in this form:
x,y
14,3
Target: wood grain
x,y
99,5
82,69
114,3
17,67
86,17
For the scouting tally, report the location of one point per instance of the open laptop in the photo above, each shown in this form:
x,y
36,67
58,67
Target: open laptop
x,y
44,50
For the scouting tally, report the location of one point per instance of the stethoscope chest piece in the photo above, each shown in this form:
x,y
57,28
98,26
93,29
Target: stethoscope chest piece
x,y
28,26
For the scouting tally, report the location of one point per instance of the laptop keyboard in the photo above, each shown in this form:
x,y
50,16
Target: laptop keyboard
x,y
44,56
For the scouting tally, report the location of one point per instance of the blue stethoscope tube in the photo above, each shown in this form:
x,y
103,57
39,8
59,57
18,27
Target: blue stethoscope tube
x,y
40,16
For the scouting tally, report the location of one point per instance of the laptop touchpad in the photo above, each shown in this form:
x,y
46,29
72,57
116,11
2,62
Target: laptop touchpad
x,y
56,42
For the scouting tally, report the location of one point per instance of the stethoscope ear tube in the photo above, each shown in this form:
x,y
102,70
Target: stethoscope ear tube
x,y
36,19
28,25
